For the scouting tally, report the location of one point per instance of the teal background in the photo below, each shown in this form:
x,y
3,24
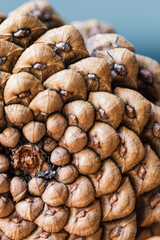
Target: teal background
x,y
137,20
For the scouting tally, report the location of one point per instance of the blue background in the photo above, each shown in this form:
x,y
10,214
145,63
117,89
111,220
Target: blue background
x,y
137,20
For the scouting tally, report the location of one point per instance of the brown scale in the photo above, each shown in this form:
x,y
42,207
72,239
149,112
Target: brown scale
x,y
130,151
92,27
23,115
84,221
36,186
74,139
80,113
120,229
15,227
120,203
29,208
105,179
43,11
6,206
151,132
124,67
55,194
148,208
45,103
98,139
96,73
34,131
81,193
10,137
22,88
109,108
39,60
69,84
67,42
9,54
137,109
86,161
60,156
52,219
21,29
146,175
149,78
99,44
66,174
56,125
